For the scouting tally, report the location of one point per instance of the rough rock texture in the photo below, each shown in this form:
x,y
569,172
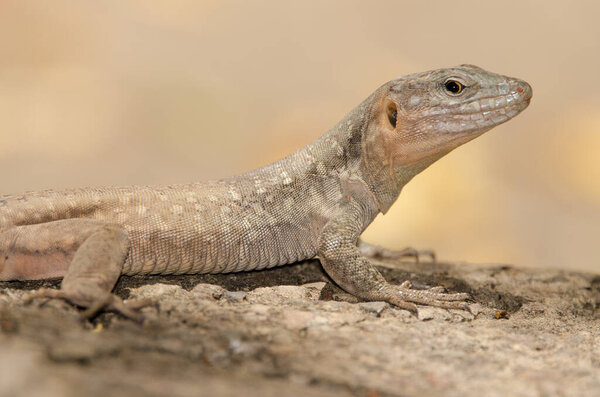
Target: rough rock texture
x,y
289,331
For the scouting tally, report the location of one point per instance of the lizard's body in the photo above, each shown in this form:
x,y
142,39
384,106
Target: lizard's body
x,y
315,202
267,217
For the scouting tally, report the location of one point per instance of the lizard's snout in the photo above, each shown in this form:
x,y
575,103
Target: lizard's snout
x,y
523,89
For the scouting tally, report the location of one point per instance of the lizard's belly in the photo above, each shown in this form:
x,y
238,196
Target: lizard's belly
x,y
218,245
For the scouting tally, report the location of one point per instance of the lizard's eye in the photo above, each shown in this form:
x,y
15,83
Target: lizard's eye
x,y
392,113
453,87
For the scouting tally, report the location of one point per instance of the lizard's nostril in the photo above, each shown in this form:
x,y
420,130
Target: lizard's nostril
x,y
523,89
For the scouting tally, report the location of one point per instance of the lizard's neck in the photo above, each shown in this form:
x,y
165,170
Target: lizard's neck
x,y
332,156
387,182
341,155
387,171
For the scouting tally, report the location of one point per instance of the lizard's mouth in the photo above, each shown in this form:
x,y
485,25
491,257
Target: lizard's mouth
x,y
487,112
496,110
475,118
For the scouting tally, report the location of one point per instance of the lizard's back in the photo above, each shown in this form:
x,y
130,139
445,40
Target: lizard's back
x,y
253,221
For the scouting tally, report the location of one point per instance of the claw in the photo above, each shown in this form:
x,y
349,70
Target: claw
x,y
406,284
467,308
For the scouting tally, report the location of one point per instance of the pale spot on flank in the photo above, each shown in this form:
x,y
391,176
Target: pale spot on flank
x,y
177,209
286,179
321,169
141,210
336,146
198,225
234,194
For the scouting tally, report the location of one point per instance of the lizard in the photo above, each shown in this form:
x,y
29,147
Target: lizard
x,y
314,203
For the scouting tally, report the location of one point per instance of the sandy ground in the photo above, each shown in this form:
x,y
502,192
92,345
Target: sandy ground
x,y
290,331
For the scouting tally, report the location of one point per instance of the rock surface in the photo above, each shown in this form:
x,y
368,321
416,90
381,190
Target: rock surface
x,y
290,331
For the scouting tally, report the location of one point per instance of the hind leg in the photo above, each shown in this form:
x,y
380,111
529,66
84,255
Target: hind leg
x,y
88,254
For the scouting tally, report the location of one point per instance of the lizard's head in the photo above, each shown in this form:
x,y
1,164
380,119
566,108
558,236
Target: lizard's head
x,y
417,119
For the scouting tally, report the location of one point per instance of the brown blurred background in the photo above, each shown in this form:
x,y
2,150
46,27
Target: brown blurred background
x,y
121,92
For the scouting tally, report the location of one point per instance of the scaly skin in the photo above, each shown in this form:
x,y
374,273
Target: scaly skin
x,y
313,203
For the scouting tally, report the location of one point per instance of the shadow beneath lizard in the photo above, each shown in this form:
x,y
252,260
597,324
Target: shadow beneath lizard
x,y
422,275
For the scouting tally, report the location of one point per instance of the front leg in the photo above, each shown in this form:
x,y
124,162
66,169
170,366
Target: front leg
x,y
341,259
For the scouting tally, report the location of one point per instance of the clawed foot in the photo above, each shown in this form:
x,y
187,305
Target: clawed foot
x,y
109,302
405,297
368,249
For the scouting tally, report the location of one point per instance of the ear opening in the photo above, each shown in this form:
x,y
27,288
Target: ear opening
x,y
392,113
